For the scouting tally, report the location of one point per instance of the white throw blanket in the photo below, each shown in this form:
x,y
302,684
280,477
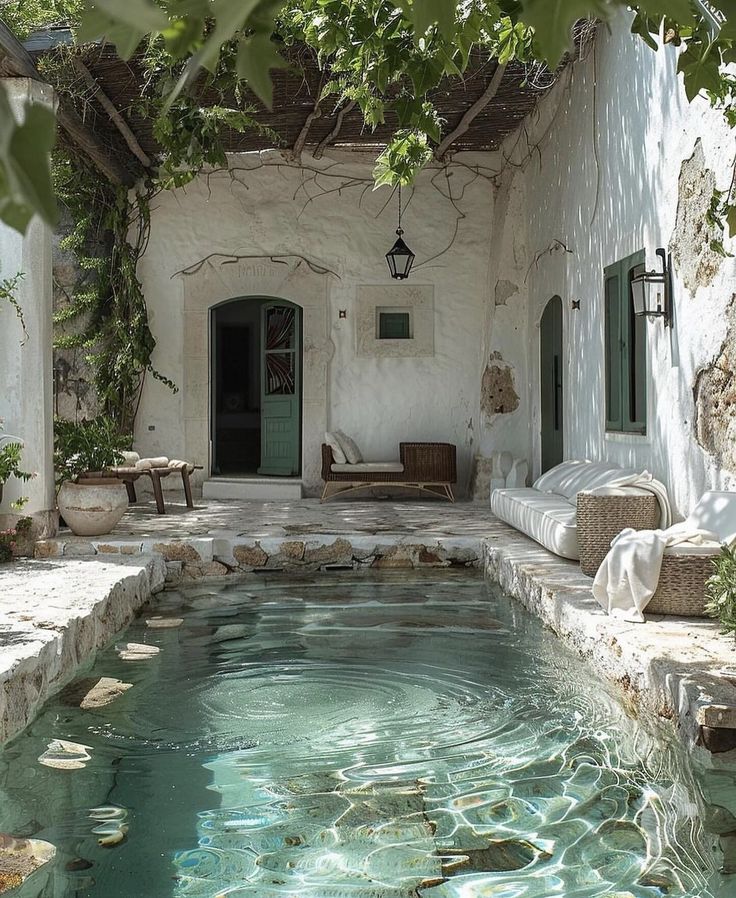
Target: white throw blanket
x,y
643,481
629,574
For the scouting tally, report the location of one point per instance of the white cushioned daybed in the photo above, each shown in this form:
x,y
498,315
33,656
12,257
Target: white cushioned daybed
x,y
429,467
548,512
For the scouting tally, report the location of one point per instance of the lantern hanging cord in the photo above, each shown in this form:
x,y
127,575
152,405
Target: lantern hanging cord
x,y
399,231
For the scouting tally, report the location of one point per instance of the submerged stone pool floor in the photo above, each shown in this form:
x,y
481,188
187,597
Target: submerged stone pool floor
x,y
57,610
397,735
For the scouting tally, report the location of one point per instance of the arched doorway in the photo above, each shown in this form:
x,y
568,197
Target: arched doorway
x,y
551,384
256,379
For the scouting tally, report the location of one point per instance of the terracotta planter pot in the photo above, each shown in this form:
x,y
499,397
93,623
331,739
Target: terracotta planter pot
x,y
92,507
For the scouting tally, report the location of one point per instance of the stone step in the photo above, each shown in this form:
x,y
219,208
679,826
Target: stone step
x,y
257,489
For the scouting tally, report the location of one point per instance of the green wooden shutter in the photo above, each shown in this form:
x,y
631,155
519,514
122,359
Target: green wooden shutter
x,y
626,349
614,346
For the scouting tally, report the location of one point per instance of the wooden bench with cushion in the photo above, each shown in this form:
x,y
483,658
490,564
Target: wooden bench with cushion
x,y
431,467
129,473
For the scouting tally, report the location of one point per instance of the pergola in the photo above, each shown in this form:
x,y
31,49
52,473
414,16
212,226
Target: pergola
x,y
110,126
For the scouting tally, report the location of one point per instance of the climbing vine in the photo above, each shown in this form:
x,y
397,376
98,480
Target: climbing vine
x,y
107,306
8,288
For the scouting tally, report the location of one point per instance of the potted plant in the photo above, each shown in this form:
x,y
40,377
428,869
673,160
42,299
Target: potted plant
x,y
90,503
11,449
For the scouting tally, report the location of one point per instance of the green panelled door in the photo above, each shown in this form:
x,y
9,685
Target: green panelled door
x,y
550,370
280,389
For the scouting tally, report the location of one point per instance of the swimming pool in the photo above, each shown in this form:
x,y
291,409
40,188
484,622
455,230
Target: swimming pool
x,y
351,737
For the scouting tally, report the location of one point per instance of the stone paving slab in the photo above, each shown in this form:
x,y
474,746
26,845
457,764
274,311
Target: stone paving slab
x,y
54,615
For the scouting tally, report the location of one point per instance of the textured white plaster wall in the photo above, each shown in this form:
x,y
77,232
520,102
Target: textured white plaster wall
x,y
26,367
263,208
611,141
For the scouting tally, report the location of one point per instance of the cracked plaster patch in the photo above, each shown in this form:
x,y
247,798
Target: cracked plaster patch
x,y
715,400
498,394
695,260
504,291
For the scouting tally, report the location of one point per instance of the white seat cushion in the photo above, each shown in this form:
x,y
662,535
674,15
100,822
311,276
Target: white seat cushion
x,y
369,467
716,512
545,517
573,477
707,547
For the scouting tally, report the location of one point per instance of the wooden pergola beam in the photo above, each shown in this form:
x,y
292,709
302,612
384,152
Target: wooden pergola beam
x,y
470,114
115,116
16,62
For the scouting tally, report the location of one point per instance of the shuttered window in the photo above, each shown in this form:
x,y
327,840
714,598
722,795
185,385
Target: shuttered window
x,y
625,350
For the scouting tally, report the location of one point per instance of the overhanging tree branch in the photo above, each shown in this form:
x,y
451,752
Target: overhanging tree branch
x,y
465,122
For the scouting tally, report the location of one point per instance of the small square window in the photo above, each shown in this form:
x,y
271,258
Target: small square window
x,y
393,324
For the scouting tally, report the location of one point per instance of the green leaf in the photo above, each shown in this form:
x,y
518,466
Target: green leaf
x,y
96,24
700,69
257,55
30,148
731,220
679,10
142,15
426,13
552,21
425,74
25,177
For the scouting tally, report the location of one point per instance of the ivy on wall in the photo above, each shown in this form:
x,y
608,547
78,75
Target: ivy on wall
x,y
110,233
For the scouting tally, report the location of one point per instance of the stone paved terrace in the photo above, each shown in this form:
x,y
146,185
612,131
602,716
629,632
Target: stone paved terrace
x,y
671,667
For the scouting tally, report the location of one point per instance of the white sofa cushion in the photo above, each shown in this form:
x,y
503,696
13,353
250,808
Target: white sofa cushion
x,y
369,467
349,447
572,477
545,517
716,511
338,456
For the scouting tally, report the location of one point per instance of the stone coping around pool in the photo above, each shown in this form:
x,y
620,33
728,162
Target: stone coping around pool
x,y
54,615
680,669
223,554
672,667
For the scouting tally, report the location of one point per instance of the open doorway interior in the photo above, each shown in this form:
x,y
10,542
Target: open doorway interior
x,y
256,388
236,396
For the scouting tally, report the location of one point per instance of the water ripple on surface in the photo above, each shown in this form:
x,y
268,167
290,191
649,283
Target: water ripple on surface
x,y
370,740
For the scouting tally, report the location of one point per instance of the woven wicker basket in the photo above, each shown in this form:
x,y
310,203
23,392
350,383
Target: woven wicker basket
x,y
681,587
601,518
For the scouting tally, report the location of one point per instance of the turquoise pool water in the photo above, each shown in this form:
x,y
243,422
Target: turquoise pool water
x,y
413,737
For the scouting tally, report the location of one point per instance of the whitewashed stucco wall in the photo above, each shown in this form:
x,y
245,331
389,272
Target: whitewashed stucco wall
x,y
264,208
600,175
26,376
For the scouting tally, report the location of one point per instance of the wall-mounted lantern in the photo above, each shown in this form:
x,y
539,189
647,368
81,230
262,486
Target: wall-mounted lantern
x,y
400,258
651,291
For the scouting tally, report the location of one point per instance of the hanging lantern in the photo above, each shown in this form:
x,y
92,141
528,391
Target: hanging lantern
x,y
400,258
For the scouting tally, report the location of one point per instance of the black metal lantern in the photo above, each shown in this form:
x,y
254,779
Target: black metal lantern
x,y
651,291
400,258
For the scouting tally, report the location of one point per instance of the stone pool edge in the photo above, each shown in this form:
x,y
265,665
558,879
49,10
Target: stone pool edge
x,y
48,639
668,673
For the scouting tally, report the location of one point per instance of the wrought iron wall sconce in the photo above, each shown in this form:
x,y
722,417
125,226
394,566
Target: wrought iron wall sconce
x,y
651,291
